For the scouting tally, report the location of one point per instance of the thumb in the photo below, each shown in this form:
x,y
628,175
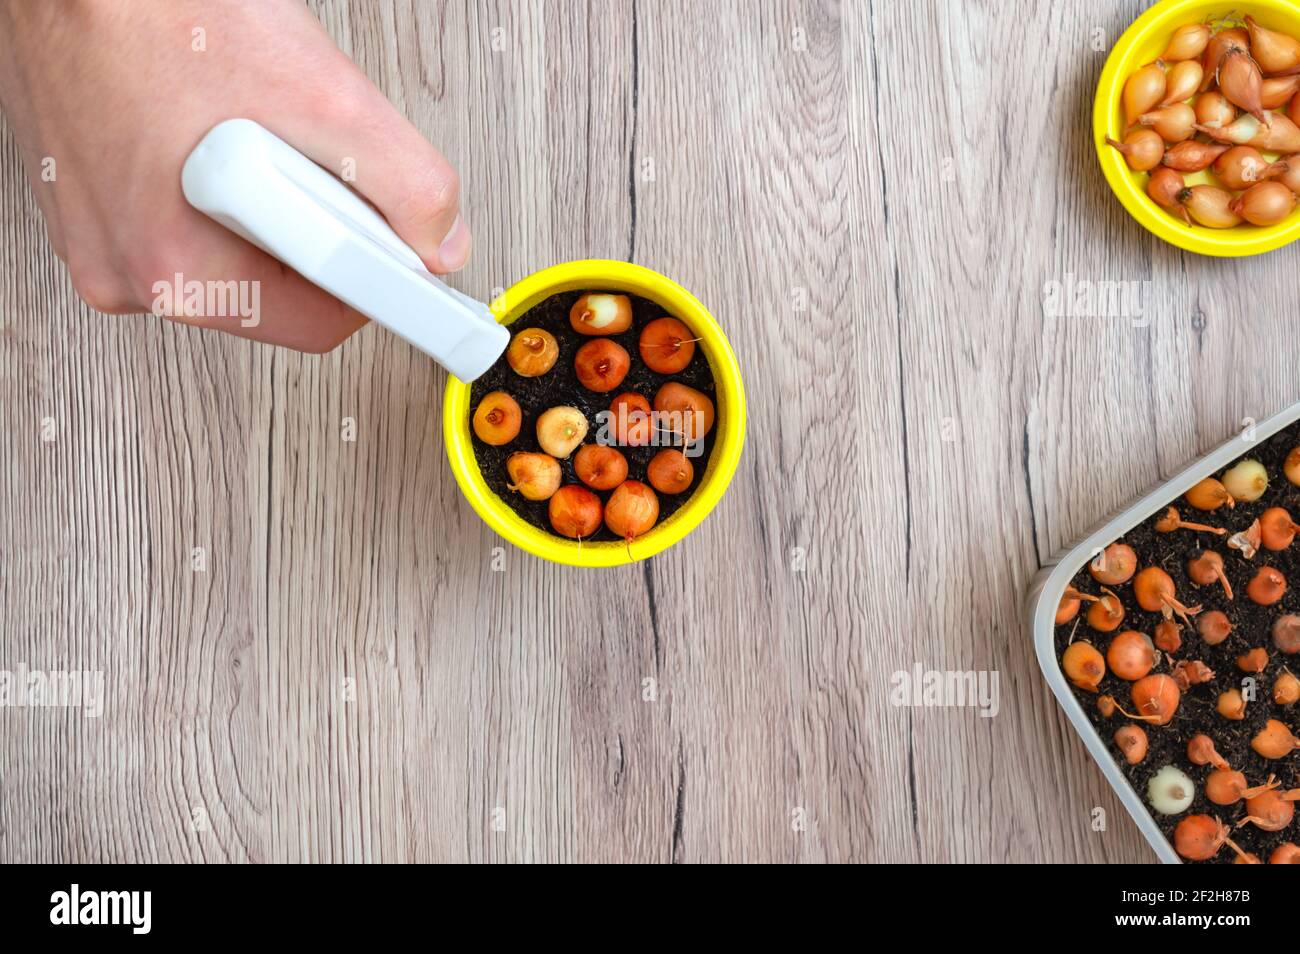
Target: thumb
x,y
384,157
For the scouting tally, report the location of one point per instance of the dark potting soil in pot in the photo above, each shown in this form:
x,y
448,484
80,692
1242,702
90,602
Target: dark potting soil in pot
x,y
560,386
1252,627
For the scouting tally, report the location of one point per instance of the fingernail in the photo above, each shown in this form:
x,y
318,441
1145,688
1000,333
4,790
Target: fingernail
x,y
453,253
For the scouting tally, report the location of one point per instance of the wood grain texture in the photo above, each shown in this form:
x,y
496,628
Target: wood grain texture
x,y
871,198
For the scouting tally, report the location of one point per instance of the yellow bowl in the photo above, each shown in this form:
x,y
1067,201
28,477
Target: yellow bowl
x,y
1142,43
729,420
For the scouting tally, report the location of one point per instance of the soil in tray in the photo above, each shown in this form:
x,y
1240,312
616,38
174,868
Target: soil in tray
x,y
1252,626
560,386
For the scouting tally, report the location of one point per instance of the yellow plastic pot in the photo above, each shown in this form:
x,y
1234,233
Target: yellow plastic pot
x,y
1142,43
596,274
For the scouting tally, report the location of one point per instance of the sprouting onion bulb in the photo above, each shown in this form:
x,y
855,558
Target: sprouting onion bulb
x,y
1274,52
497,418
1271,810
1209,494
1083,665
1208,568
666,345
533,476
670,471
1187,43
1223,786
1170,791
1142,91
1156,699
1131,655
532,352
1106,612
1274,741
1254,660
560,430
1132,741
1200,837
1214,627
1106,705
684,410
1286,633
1169,636
1154,590
1201,751
1171,520
1267,586
1114,565
600,467
601,314
574,511
1265,203
1246,481
1066,610
601,365
631,510
1240,168
1142,149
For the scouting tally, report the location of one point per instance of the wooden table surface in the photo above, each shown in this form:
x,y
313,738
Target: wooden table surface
x,y
873,199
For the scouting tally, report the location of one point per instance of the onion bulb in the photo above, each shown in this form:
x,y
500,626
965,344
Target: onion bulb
x,y
1199,837
600,467
1287,853
1241,167
1286,688
1231,705
1271,810
630,419
1278,90
533,476
1274,741
1142,149
1083,665
1266,586
1223,786
1218,47
1273,51
1214,110
1286,171
1191,156
1213,627
687,411
560,430
1114,565
1169,636
1208,568
497,418
601,314
1156,699
1265,203
1210,206
1164,185
1131,655
1282,136
575,512
1173,123
1106,613
1182,82
1291,466
632,510
1132,741
1276,529
1201,751
1154,590
1188,42
601,365
1242,82
532,352
1246,481
1255,661
1170,791
667,345
671,472
1144,89
1286,633
1191,672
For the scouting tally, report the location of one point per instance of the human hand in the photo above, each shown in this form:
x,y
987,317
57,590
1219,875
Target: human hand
x,y
106,101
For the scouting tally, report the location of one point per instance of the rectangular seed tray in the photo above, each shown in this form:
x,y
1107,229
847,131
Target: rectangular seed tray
x,y
1050,583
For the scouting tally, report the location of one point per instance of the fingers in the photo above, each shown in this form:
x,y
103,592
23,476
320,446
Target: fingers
x,y
360,136
252,295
